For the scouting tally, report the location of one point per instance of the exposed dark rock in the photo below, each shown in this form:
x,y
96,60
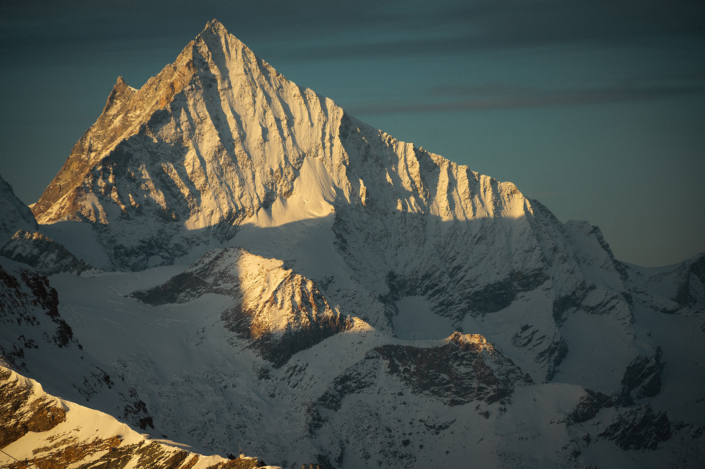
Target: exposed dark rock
x,y
247,463
29,312
19,414
93,382
152,455
67,456
463,370
311,319
14,214
437,287
638,428
354,380
564,303
493,297
551,347
642,378
697,268
278,348
588,406
43,254
135,411
178,289
553,355
692,273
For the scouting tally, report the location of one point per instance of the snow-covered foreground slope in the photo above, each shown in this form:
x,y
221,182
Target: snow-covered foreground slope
x,y
281,276
44,431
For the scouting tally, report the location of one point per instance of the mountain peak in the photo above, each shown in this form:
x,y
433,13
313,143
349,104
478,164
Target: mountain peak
x,y
217,27
215,30
215,37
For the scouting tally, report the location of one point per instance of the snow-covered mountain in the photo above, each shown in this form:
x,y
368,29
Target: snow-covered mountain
x,y
14,214
45,255
82,437
279,274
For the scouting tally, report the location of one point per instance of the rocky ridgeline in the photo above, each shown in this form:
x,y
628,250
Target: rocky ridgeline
x,y
14,214
277,312
29,315
45,255
40,430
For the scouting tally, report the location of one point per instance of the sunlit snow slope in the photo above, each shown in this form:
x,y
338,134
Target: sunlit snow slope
x,y
40,430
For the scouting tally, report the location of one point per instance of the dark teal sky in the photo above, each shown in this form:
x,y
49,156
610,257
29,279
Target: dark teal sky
x,y
596,108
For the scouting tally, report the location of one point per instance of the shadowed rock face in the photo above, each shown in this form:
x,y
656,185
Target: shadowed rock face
x,y
588,406
277,312
463,370
29,315
639,428
466,369
45,255
126,109
14,214
691,282
210,140
28,415
642,378
278,348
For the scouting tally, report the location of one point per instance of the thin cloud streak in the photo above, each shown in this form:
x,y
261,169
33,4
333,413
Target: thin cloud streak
x,y
318,30
525,98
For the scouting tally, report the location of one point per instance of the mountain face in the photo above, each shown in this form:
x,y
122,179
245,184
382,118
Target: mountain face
x,y
29,313
279,274
14,215
265,290
209,141
45,255
82,438
21,241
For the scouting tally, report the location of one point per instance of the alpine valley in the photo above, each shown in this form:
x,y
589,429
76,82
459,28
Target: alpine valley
x,y
228,259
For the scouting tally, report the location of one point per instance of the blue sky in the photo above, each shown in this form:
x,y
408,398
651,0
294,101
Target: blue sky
x,y
596,108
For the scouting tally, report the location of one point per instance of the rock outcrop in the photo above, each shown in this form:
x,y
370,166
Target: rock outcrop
x,y
40,430
14,214
42,253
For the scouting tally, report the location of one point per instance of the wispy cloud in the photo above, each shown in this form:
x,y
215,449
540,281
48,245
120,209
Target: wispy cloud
x,y
321,30
543,195
490,96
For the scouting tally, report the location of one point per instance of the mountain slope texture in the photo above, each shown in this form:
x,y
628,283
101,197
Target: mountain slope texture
x,y
233,260
81,437
14,215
